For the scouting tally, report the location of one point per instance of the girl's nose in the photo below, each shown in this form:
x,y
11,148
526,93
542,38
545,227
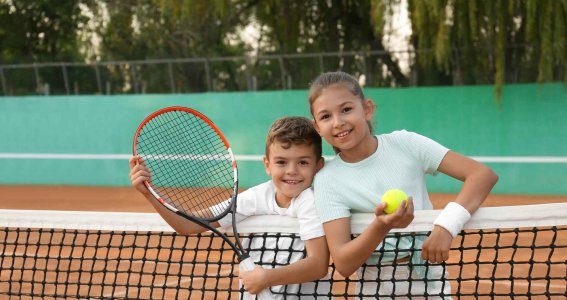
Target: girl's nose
x,y
339,122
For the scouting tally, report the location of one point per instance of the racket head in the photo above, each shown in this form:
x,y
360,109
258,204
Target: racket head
x,y
192,165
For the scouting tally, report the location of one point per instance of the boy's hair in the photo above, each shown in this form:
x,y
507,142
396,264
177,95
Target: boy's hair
x,y
294,131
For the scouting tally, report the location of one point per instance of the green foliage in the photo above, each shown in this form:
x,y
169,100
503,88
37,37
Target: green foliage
x,y
520,41
455,42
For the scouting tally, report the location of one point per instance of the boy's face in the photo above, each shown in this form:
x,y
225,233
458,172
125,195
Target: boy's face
x,y
292,170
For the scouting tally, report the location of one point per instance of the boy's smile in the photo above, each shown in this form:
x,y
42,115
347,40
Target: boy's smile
x,y
292,169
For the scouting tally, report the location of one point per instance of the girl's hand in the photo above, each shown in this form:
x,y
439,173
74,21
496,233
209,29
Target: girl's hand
x,y
401,218
254,281
436,247
138,174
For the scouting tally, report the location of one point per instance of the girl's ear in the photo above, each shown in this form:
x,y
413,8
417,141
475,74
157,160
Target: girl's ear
x,y
369,109
316,127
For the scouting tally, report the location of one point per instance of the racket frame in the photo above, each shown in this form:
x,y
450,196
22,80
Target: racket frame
x,y
204,222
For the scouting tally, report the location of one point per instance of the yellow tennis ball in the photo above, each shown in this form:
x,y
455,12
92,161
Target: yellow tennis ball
x,y
394,198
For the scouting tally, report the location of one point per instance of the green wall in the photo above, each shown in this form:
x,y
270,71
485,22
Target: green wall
x,y
530,121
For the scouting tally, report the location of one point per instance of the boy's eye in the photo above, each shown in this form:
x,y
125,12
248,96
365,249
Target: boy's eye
x,y
347,109
280,162
304,162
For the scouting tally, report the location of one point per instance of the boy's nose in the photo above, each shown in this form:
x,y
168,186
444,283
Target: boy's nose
x,y
291,169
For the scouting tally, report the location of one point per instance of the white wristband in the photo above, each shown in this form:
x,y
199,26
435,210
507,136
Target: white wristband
x,y
453,218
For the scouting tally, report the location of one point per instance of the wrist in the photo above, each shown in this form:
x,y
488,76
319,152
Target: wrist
x,y
379,224
453,218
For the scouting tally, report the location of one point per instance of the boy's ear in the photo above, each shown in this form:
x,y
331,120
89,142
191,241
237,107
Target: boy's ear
x,y
266,165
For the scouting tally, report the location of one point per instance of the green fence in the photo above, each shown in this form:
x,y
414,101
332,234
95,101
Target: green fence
x,y
86,140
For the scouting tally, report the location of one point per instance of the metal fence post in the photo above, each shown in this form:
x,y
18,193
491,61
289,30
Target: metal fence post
x,y
208,75
65,78
171,79
36,73
282,72
4,90
98,81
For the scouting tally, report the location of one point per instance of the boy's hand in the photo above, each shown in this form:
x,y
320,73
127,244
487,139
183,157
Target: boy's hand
x,y
138,174
436,247
254,281
401,218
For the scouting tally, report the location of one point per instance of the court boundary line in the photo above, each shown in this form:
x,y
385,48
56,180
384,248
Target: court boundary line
x,y
91,156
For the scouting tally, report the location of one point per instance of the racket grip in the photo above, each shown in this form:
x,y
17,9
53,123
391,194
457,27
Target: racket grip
x,y
248,265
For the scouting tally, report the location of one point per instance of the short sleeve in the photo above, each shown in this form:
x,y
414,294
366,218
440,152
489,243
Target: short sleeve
x,y
327,202
310,226
245,207
427,151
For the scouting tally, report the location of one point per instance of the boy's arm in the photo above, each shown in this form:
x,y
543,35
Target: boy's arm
x,y
478,180
313,267
138,174
349,254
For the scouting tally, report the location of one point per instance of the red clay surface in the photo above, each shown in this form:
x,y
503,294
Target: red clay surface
x,y
126,199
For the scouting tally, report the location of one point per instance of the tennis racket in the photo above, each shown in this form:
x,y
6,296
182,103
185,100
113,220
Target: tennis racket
x,y
193,169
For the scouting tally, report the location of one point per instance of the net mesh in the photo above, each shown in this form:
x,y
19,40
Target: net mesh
x,y
505,253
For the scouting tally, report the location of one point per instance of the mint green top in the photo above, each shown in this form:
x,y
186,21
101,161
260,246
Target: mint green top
x,y
402,160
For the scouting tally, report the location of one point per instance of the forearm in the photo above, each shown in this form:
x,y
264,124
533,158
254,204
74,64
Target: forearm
x,y
476,188
353,254
305,270
178,223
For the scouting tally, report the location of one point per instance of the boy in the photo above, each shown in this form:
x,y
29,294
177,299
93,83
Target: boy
x,y
293,156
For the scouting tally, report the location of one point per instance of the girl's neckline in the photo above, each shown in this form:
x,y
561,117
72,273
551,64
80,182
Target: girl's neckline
x,y
364,160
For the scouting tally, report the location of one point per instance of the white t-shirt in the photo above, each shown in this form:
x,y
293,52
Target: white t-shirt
x,y
261,200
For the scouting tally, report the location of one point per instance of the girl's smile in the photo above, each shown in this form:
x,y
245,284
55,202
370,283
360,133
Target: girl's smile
x,y
341,118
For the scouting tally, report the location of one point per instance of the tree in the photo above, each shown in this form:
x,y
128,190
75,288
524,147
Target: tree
x,y
327,26
479,42
171,29
38,31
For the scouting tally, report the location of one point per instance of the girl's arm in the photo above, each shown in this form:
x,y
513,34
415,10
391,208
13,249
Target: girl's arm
x,y
478,180
348,255
140,173
313,267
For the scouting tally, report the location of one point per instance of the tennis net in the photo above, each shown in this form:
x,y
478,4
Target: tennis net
x,y
515,252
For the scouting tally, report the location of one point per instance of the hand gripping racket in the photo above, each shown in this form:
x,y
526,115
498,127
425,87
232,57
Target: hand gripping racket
x,y
193,171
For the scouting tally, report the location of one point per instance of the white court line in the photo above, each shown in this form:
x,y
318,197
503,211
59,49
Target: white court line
x,y
169,284
72,156
519,283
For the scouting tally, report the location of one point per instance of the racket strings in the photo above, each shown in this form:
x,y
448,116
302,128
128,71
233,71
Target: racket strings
x,y
190,165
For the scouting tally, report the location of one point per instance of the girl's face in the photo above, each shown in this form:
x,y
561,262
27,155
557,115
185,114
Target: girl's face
x,y
341,118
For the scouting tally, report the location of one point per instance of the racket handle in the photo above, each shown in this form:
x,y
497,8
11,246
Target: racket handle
x,y
248,265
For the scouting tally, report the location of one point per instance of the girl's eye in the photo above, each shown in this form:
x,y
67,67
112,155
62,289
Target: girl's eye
x,y
324,117
347,109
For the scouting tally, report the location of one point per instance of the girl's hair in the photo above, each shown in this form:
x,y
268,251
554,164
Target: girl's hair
x,y
328,79
340,79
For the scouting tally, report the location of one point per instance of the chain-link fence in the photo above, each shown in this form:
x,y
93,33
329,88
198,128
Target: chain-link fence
x,y
237,73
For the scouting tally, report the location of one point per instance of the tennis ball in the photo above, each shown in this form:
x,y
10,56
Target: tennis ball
x,y
394,198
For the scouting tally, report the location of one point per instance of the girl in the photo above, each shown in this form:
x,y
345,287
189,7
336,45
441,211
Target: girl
x,y
366,166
